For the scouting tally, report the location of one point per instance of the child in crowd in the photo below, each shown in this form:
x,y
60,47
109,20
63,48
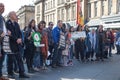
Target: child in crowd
x,y
65,54
70,62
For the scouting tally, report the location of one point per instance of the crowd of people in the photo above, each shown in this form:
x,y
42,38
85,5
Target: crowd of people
x,y
59,48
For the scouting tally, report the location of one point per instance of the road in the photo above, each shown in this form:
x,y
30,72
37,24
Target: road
x,y
107,70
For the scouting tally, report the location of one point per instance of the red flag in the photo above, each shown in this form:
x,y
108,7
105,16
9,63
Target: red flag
x,y
80,20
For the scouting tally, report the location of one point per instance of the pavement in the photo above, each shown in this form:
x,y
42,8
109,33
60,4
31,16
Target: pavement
x,y
107,70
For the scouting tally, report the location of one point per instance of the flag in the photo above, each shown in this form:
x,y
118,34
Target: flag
x,y
80,20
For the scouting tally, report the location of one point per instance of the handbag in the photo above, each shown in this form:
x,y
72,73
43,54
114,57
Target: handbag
x,y
6,45
62,44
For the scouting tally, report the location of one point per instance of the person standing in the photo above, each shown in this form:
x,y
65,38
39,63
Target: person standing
x,y
91,44
107,43
100,44
30,48
15,42
79,46
118,42
111,46
44,40
71,51
2,34
56,60
50,38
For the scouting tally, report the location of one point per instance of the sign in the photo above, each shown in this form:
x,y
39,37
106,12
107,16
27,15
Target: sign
x,y
6,45
37,38
76,35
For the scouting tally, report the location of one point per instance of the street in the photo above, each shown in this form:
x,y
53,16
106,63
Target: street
x,y
107,70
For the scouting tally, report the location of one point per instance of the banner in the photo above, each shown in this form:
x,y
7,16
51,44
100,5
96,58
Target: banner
x,y
76,35
80,20
37,38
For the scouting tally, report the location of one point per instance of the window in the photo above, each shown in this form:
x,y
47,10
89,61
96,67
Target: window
x,y
118,6
53,3
38,9
95,6
73,12
68,0
58,14
89,10
89,0
102,3
38,19
53,17
45,6
48,5
58,2
62,1
48,18
109,6
68,14
62,13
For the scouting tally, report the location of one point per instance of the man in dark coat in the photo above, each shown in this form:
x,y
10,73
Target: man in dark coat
x,y
2,34
100,44
15,43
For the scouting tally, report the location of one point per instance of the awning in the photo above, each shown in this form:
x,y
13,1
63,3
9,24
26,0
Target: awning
x,y
112,25
95,22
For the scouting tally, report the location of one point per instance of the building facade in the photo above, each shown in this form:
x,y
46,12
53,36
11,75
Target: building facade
x,y
54,10
105,12
25,14
95,12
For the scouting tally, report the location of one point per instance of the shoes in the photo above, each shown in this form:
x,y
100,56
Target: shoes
x,y
59,65
36,69
87,60
65,65
3,78
102,60
92,60
31,71
16,72
105,57
54,66
11,76
23,76
70,63
97,60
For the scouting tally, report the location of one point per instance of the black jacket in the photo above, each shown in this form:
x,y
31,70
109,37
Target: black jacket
x,y
15,34
1,27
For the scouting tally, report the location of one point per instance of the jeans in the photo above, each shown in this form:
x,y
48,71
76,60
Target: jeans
x,y
21,51
41,59
110,49
36,60
100,53
15,64
57,55
1,62
71,52
118,49
10,61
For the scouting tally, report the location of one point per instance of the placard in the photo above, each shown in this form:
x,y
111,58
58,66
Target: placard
x,y
76,35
